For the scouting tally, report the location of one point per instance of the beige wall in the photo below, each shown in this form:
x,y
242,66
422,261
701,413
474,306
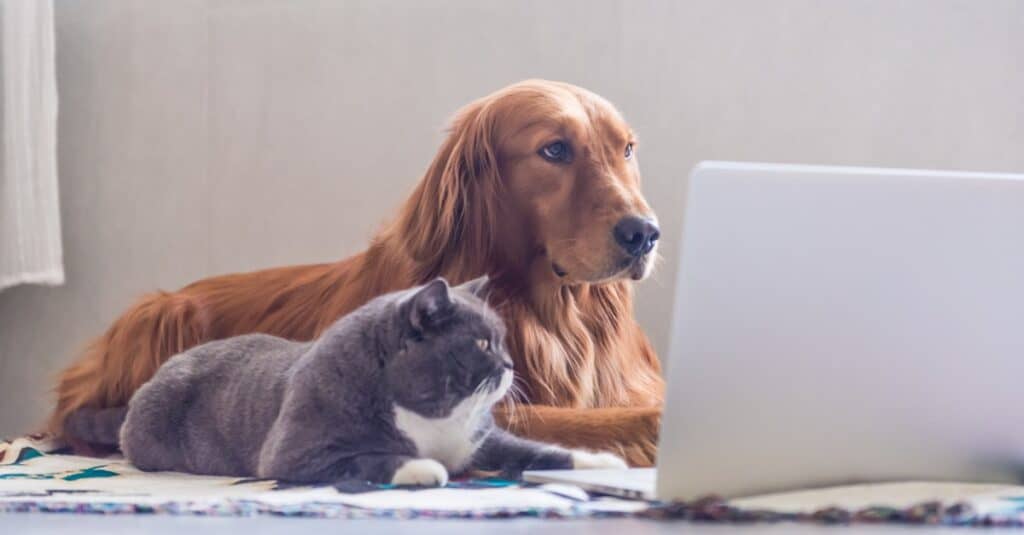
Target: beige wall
x,y
199,137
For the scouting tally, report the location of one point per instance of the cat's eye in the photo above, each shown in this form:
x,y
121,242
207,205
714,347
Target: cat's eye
x,y
629,150
483,343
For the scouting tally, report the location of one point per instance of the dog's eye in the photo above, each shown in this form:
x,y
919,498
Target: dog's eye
x,y
483,343
557,152
629,150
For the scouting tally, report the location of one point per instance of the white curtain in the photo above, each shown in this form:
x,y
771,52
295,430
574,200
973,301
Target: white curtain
x,y
30,244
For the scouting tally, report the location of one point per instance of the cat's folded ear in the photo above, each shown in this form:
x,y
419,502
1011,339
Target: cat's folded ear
x,y
430,303
477,286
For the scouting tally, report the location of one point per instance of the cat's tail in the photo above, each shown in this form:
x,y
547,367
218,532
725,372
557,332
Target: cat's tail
x,y
98,426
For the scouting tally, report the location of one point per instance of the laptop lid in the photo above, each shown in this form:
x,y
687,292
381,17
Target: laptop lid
x,y
836,325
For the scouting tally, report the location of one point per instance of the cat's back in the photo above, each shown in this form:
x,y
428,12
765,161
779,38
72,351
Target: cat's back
x,y
249,349
221,373
238,374
207,409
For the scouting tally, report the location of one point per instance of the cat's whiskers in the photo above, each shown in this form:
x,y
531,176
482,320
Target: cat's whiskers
x,y
479,402
515,397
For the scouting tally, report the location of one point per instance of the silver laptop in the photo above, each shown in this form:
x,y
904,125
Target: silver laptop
x,y
840,325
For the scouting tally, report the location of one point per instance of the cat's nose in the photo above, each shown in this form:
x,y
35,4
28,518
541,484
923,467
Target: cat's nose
x,y
501,367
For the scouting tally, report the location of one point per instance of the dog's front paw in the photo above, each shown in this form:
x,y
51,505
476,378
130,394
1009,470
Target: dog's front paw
x,y
423,472
582,460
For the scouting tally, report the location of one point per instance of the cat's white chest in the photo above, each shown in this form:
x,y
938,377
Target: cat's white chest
x,y
448,440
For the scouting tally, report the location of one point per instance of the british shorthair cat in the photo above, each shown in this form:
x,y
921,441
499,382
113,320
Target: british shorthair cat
x,y
398,391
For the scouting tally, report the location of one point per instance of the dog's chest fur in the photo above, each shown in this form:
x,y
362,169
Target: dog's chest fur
x,y
451,440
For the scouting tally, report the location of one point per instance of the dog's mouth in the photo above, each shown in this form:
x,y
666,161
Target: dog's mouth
x,y
633,268
636,268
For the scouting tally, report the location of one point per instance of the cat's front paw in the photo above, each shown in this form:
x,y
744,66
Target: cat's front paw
x,y
423,472
583,460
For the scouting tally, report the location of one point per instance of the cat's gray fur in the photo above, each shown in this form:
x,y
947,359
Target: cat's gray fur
x,y
410,374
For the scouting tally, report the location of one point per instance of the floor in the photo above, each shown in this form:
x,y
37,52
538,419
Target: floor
x,y
30,524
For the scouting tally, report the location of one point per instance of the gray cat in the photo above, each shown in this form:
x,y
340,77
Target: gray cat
x,y
398,391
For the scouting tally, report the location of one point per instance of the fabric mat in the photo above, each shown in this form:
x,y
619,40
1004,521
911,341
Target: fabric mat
x,y
36,477
31,479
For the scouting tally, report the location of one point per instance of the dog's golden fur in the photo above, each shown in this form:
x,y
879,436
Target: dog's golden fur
x,y
488,203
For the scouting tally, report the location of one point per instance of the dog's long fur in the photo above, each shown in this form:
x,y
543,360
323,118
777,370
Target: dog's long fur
x,y
588,372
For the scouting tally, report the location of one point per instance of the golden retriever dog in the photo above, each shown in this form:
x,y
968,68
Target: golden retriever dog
x,y
536,185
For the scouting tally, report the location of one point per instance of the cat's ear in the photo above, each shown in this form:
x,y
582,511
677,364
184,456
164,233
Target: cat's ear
x,y
430,303
477,286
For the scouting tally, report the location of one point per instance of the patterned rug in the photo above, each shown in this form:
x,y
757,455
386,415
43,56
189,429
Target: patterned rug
x,y
36,477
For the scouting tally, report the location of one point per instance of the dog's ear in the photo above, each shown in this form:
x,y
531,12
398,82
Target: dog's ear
x,y
446,224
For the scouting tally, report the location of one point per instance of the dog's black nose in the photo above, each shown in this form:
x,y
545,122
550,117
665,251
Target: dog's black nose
x,y
636,235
